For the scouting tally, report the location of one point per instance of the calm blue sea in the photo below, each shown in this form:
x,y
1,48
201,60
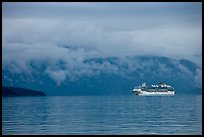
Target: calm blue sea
x,y
180,114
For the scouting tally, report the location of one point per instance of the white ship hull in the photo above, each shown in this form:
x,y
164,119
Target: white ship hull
x,y
144,93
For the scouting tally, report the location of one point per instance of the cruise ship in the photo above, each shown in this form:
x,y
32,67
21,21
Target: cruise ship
x,y
158,89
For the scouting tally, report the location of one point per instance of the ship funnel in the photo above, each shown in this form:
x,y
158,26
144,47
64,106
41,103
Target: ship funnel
x,y
143,84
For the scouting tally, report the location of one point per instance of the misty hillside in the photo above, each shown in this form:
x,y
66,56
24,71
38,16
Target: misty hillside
x,y
109,76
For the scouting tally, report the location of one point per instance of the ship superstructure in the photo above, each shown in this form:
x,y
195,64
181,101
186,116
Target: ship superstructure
x,y
158,89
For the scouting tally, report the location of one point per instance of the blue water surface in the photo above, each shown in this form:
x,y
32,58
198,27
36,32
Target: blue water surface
x,y
180,114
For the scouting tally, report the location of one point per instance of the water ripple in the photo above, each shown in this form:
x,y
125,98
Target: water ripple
x,y
102,115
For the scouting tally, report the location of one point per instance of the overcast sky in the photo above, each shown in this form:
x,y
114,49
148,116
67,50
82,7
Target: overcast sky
x,y
49,32
168,29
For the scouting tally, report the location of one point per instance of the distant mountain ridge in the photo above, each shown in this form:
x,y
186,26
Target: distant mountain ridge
x,y
113,76
15,91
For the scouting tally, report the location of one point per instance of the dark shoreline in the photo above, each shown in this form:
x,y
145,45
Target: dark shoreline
x,y
18,92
